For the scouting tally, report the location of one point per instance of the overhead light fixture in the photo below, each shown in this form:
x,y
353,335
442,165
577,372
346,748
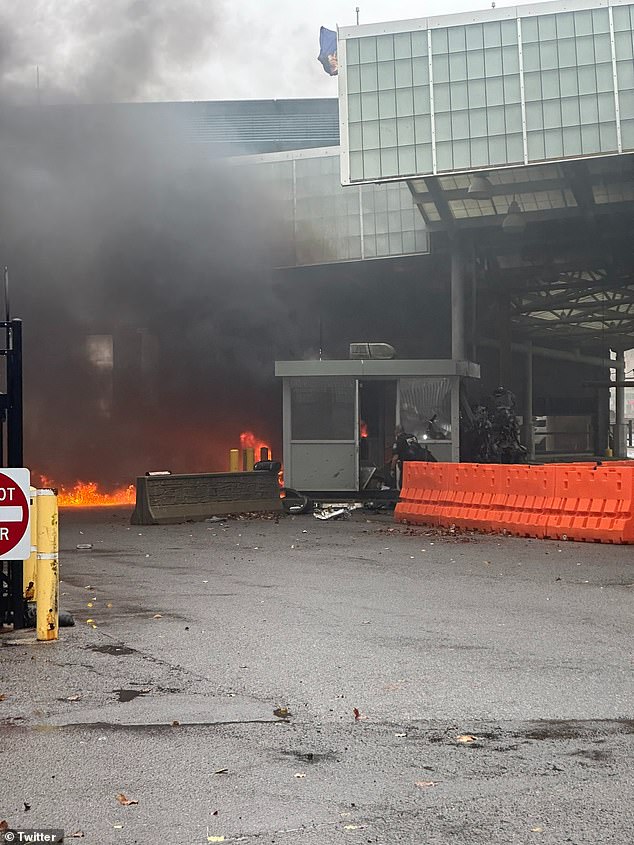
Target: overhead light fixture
x,y
480,188
514,220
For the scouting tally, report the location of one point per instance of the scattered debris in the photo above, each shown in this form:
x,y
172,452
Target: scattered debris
x,y
353,827
215,838
300,775
400,735
126,802
282,712
175,723
221,772
157,616
2,697
358,715
4,825
76,697
466,739
425,784
27,807
84,546
336,511
537,829
78,834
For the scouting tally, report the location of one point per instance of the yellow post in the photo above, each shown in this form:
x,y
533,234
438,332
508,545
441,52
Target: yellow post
x,y
30,565
234,460
47,574
249,458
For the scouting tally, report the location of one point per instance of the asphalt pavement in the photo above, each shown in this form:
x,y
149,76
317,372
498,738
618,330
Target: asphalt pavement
x,y
293,681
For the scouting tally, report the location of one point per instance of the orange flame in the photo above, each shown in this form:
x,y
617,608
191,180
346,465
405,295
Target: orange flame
x,y
248,440
86,494
363,428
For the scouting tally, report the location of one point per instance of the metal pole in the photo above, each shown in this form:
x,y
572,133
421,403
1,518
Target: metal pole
x,y
47,575
15,446
529,430
457,305
620,448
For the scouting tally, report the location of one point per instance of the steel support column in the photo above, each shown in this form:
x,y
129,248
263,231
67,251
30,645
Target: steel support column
x,y
527,404
458,300
620,437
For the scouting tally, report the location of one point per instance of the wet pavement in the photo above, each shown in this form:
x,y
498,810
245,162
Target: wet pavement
x,y
430,688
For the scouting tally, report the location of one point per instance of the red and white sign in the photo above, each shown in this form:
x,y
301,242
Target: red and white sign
x,y
15,514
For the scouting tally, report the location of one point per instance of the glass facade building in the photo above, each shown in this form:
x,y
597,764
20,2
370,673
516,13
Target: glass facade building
x,y
319,221
501,87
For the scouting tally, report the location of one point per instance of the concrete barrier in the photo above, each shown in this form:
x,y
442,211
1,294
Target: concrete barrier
x,y
170,499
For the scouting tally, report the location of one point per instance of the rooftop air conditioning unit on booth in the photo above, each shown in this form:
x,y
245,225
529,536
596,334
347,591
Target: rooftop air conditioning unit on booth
x,y
371,351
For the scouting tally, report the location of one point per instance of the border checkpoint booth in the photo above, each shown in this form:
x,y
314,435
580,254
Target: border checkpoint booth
x,y
339,418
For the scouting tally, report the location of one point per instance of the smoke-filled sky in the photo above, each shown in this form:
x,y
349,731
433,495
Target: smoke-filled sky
x,y
182,49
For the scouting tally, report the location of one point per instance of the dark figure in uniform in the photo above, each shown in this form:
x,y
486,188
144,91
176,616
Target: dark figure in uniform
x,y
407,448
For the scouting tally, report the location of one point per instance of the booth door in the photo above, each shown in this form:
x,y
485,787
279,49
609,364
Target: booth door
x,y
321,434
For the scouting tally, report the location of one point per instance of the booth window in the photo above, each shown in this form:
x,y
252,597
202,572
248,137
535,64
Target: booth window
x,y
322,409
425,406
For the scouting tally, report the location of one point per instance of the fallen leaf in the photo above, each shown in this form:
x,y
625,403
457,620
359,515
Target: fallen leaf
x,y
94,626
3,697
78,834
76,697
424,784
466,739
89,621
109,604
358,715
300,775
215,839
221,771
127,802
157,616
281,712
4,825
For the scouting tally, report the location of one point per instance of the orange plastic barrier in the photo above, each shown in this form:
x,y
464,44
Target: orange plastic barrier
x,y
560,501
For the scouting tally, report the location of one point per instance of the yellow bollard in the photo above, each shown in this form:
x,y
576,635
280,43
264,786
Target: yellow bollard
x,y
234,460
30,565
47,574
249,458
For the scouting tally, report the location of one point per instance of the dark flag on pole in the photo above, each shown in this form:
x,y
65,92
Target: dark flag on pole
x,y
328,51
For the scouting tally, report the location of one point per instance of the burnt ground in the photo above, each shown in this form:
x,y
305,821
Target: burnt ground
x,y
202,631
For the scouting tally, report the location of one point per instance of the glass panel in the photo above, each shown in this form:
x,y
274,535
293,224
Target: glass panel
x,y
548,55
493,62
477,94
475,37
371,135
587,80
627,132
440,66
530,30
354,135
607,134
419,43
531,57
600,20
621,18
534,116
387,104
515,148
389,162
443,126
602,48
494,91
497,150
457,66
567,52
547,27
509,32
405,130
554,143
404,73
495,121
533,86
478,123
536,151
356,166
513,117
569,82
441,97
475,65
511,59
550,84
404,102
387,129
352,51
572,141
590,139
323,409
420,71
439,41
585,50
623,45
422,129
406,159
386,75
422,103
354,107
570,113
512,90
625,74
460,125
565,25
384,48
369,106
607,109
402,45
583,23
368,78
354,80
589,108
552,114
459,95
444,156
492,34
423,158
479,152
367,50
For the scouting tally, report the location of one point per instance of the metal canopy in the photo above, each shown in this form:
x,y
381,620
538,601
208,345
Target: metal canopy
x,y
572,288
579,188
